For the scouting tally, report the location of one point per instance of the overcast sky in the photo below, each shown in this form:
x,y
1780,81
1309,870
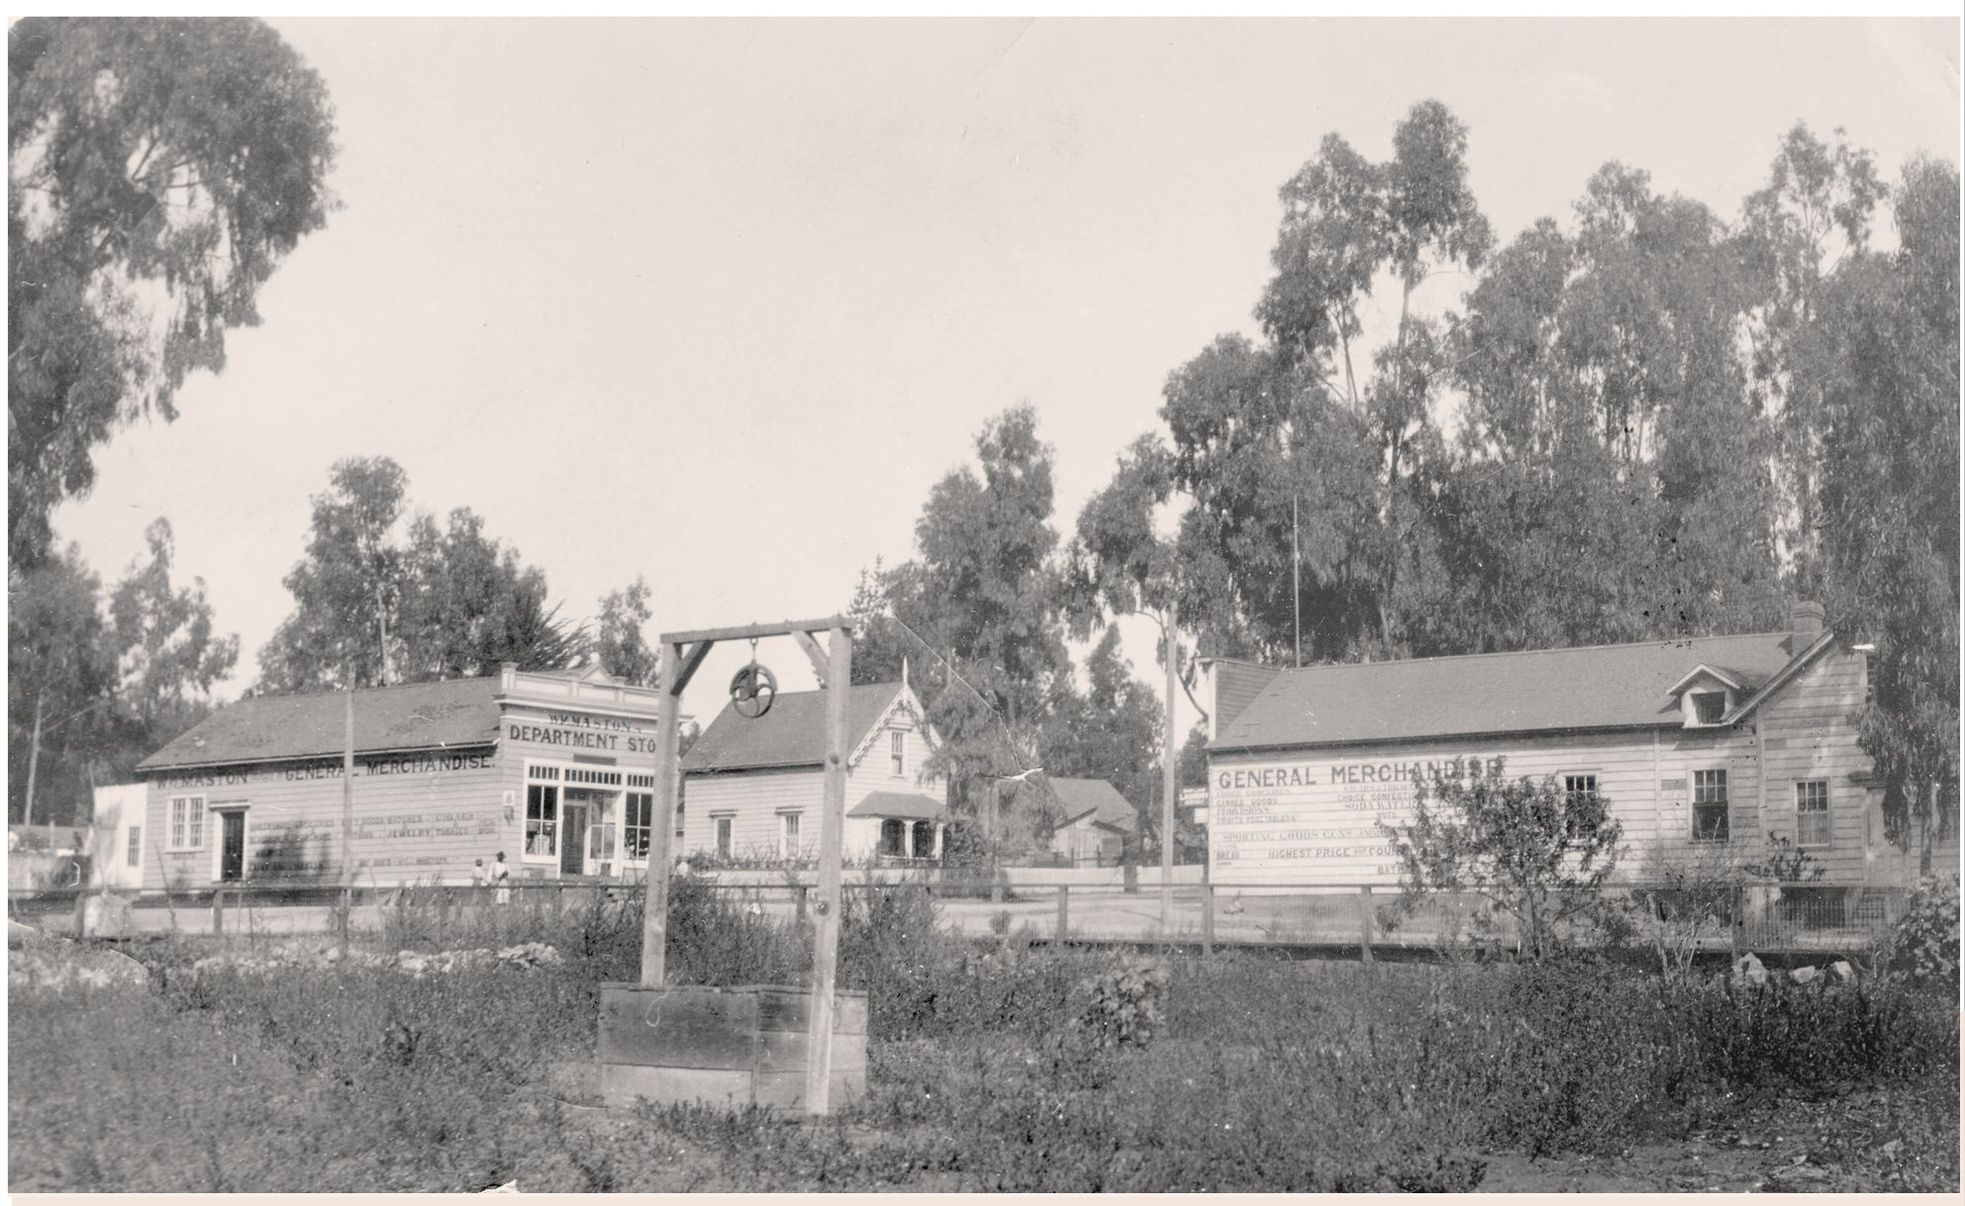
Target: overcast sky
x,y
718,302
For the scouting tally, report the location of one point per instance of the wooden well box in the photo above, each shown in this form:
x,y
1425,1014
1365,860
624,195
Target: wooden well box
x,y
724,1046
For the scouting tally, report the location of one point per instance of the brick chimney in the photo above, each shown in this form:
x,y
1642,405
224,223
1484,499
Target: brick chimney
x,y
1805,626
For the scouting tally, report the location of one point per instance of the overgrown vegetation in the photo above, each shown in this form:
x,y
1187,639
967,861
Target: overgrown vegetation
x,y
999,1065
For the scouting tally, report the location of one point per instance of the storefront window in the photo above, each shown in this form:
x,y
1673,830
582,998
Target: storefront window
x,y
542,812
637,812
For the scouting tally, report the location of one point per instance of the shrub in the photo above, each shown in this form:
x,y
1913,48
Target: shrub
x,y
1124,1009
1925,942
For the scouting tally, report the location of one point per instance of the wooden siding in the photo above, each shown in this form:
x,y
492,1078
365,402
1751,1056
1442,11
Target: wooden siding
x,y
415,816
754,799
1805,731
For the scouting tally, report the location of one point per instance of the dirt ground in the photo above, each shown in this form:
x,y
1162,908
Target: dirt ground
x,y
1785,1146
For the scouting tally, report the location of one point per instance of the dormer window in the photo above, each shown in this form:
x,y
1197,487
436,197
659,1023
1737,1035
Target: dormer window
x,y
1706,695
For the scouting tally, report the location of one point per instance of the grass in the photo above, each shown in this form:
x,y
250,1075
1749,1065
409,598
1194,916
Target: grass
x,y
1245,1073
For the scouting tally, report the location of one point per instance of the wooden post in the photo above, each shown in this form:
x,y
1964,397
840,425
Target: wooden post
x,y
655,900
218,912
82,911
347,813
832,826
1169,782
1207,918
1364,921
1064,911
798,898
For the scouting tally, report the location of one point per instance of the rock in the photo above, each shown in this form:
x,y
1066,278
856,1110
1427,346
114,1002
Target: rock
x,y
1804,975
58,963
1843,971
1748,970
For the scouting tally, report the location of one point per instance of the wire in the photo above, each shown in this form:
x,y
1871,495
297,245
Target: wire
x,y
1009,736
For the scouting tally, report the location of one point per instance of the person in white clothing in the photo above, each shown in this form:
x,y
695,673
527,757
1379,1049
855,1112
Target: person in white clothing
x,y
501,879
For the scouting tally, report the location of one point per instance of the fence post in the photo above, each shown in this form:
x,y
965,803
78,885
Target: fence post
x,y
798,895
1733,920
1207,918
1364,922
218,912
81,912
1064,911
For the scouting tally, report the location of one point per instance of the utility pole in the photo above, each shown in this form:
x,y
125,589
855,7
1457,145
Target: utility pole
x,y
1296,579
33,759
1169,777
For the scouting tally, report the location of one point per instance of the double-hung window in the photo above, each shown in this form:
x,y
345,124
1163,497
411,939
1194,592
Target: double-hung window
x,y
1811,812
788,835
721,826
1709,816
897,750
187,823
1577,788
135,854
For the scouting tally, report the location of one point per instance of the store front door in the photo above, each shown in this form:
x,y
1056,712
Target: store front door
x,y
232,846
573,848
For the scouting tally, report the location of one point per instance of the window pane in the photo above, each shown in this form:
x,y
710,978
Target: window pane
x,y
1811,812
136,845
1710,706
541,819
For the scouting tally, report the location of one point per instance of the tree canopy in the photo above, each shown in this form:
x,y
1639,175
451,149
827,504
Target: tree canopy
x,y
159,171
373,605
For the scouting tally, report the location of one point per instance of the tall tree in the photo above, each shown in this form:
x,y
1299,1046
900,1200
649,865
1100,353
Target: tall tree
x,y
159,171
982,602
1299,451
168,654
1889,498
371,607
347,588
1111,732
621,640
1813,215
60,679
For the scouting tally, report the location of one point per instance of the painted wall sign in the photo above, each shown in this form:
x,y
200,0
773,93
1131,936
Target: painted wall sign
x,y
1316,820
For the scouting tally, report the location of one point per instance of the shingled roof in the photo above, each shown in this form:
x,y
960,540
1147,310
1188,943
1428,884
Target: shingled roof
x,y
1097,796
792,733
458,714
1598,687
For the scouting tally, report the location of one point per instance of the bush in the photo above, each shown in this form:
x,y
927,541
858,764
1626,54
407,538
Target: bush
x,y
1124,1009
1925,942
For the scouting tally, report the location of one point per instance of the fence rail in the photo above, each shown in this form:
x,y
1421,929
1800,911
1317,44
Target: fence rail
x,y
1762,917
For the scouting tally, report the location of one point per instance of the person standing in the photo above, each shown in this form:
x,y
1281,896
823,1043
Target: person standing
x,y
479,876
501,879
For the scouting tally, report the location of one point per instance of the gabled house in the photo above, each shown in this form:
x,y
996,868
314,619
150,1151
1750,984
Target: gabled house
x,y
753,788
1704,748
1093,821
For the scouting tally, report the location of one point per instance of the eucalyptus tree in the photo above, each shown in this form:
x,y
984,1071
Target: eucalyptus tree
x,y
159,170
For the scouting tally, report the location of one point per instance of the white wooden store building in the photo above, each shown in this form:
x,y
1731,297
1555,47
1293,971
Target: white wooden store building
x,y
556,770
1704,749
752,788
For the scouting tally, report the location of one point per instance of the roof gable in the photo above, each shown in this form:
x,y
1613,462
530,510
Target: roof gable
x,y
791,734
1716,674
1605,686
1096,798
